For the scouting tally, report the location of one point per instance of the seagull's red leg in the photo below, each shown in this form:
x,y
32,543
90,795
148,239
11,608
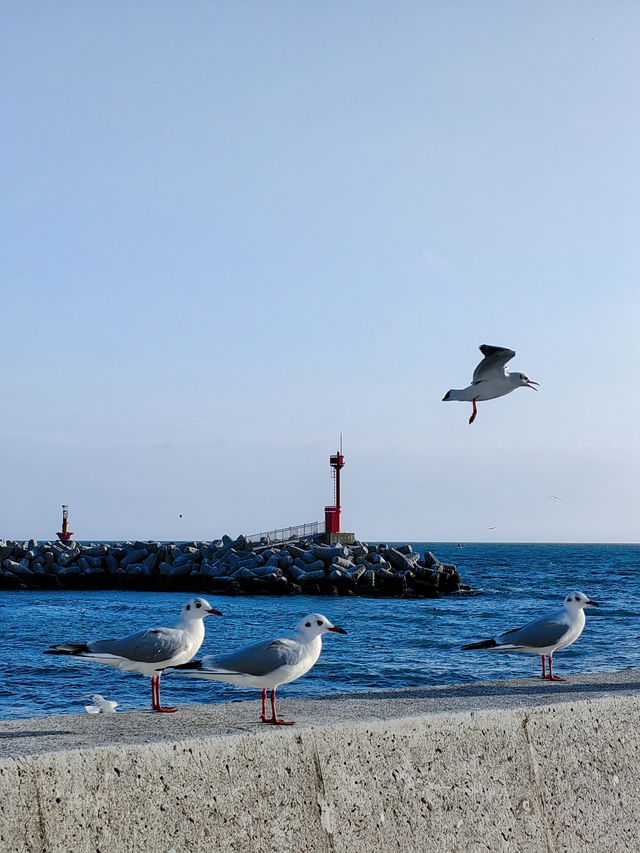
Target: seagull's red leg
x,y
263,716
553,677
158,706
544,669
154,694
474,412
275,721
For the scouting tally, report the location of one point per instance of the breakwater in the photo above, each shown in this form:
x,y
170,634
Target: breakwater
x,y
506,766
231,566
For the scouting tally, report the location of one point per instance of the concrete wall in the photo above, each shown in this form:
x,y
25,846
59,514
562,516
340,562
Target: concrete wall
x,y
560,778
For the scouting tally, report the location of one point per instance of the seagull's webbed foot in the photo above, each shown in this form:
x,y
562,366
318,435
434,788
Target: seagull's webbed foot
x,y
551,676
155,697
274,719
474,413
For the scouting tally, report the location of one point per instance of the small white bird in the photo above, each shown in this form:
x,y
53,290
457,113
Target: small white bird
x,y
101,705
148,652
490,379
544,636
268,664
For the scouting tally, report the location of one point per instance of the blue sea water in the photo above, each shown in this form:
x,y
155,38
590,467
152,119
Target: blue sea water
x,y
391,643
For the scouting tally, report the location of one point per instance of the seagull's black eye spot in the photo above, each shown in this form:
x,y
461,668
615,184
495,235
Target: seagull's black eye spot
x,y
188,607
320,622
198,604
307,624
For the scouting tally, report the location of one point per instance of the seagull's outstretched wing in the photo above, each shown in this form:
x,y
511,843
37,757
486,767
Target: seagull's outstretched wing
x,y
493,362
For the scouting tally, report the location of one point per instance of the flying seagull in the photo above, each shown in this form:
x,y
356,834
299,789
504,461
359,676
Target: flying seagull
x,y
544,636
268,664
148,652
490,379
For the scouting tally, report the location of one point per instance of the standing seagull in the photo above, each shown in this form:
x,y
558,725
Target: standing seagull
x,y
268,664
490,379
148,652
544,636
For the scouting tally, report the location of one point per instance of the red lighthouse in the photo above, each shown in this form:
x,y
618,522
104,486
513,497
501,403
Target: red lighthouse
x,y
65,535
332,514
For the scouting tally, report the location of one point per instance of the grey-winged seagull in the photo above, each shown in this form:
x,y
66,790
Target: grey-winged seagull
x,y
490,379
544,636
148,652
268,664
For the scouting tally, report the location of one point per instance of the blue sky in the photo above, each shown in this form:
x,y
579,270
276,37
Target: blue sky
x,y
237,229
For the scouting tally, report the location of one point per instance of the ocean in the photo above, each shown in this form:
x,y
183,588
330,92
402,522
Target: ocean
x,y
391,643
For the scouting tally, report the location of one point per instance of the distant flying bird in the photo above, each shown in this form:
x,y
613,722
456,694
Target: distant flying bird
x,y
180,515
490,379
544,636
491,528
555,497
148,652
268,664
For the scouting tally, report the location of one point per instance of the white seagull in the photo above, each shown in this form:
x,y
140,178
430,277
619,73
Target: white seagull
x,y
148,652
101,705
544,636
490,379
268,664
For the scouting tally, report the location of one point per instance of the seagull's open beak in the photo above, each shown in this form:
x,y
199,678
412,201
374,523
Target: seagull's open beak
x,y
214,612
337,630
530,383
594,603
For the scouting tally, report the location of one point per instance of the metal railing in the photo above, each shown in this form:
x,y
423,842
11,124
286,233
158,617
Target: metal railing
x,y
284,534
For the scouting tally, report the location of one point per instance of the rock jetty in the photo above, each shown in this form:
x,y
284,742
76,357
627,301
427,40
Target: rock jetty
x,y
232,566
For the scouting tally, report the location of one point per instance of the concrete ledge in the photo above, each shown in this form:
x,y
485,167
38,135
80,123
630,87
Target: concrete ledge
x,y
514,766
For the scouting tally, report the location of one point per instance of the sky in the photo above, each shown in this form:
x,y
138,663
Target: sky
x,y
233,231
